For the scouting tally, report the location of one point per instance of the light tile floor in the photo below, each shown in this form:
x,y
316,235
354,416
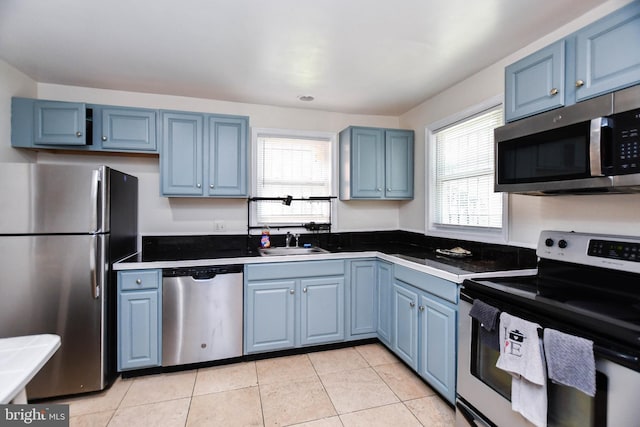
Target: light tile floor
x,y
356,386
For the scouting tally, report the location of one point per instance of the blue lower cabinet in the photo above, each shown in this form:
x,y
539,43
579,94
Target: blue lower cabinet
x,y
384,279
405,325
139,319
362,298
322,310
270,316
293,304
437,351
424,333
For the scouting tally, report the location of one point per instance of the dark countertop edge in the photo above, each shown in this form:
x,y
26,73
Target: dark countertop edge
x,y
434,268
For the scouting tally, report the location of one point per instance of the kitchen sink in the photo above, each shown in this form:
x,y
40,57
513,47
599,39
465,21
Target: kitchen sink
x,y
291,250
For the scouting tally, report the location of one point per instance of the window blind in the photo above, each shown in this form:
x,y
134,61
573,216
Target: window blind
x,y
465,172
296,167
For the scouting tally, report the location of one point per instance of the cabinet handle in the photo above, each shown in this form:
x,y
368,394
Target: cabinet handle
x,y
78,134
421,308
412,304
210,185
378,189
388,189
304,289
104,138
579,83
553,92
198,185
139,281
292,291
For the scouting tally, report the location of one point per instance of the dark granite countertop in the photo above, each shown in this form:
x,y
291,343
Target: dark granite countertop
x,y
412,247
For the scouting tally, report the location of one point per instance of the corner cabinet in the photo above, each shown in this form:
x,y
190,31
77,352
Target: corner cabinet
x,y
424,327
203,155
293,304
595,60
376,164
139,317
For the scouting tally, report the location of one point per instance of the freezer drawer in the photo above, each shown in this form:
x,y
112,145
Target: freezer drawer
x,y
201,315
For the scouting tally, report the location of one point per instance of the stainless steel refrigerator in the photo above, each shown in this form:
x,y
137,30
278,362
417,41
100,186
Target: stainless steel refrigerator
x,y
61,229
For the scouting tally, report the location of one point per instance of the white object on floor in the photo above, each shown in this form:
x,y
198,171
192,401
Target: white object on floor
x,y
21,358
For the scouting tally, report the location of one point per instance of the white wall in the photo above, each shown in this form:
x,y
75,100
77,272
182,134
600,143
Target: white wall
x,y
160,215
528,214
12,83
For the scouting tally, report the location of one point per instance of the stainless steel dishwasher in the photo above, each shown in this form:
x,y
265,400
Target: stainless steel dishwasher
x,y
201,314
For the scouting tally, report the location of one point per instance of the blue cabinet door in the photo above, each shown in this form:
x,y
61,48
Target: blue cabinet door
x,y
536,83
383,299
607,55
127,129
270,315
363,290
438,345
367,163
227,144
138,330
321,310
405,324
181,158
398,164
59,123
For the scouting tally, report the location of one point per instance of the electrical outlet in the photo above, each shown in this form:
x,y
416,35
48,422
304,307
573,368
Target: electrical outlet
x,y
218,226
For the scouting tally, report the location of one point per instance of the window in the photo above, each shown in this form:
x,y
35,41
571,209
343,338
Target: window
x,y
462,199
292,164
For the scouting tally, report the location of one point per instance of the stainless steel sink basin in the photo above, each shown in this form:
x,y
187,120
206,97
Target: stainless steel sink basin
x,y
292,250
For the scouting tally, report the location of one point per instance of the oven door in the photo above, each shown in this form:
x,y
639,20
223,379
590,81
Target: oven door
x,y
484,390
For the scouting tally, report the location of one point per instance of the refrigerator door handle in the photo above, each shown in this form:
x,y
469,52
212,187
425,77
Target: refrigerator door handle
x,y
95,188
93,267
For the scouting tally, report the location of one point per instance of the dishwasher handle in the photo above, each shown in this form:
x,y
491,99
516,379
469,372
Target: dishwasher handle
x,y
202,273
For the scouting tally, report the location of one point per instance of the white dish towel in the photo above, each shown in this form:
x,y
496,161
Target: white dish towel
x,y
522,355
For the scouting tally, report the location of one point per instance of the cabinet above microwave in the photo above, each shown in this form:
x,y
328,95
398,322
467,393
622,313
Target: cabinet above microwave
x,y
597,59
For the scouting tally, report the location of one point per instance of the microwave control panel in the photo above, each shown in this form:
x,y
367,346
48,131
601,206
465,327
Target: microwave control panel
x,y
626,143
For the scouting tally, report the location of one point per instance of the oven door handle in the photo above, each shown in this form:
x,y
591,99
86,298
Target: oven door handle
x,y
470,417
616,355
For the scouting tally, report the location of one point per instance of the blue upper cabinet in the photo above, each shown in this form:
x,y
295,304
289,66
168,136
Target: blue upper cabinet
x,y
599,58
399,164
77,126
607,54
535,83
181,159
127,129
376,164
59,123
204,155
367,163
227,144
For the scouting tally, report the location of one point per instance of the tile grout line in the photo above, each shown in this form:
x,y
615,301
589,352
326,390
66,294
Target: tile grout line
x,y
325,390
255,367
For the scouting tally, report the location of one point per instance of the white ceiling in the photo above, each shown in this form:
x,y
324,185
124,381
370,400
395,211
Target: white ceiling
x,y
354,56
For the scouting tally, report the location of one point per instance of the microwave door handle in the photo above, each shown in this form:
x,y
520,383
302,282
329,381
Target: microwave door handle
x,y
600,146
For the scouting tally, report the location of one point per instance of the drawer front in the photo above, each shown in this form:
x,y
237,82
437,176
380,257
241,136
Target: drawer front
x,y
139,279
426,282
299,269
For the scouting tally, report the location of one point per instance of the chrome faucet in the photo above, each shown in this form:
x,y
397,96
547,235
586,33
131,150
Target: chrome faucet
x,y
287,240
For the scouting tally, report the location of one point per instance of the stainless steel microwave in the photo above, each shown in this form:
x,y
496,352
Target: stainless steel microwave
x,y
589,147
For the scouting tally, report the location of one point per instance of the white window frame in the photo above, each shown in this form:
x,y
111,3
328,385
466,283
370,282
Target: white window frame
x,y
481,234
290,133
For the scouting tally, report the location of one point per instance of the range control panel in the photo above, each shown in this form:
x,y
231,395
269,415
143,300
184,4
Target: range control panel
x,y
614,252
628,251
